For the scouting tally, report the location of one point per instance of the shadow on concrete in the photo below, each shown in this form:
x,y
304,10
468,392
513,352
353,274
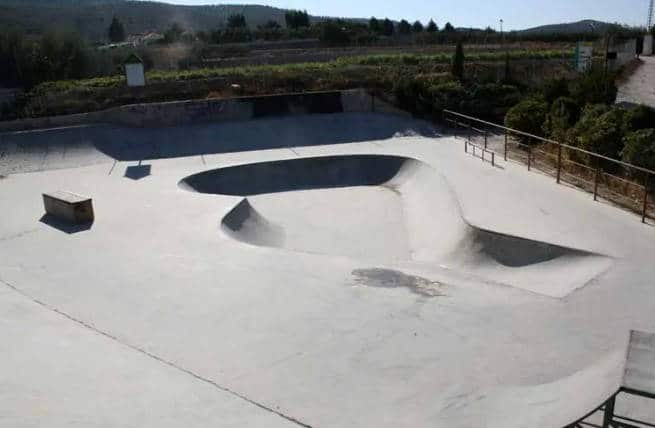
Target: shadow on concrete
x,y
325,172
137,172
64,226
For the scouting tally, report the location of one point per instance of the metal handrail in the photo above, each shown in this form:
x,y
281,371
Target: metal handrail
x,y
597,169
546,140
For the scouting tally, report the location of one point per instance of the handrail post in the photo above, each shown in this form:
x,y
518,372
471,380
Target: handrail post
x,y
485,138
505,144
644,212
596,178
559,162
529,154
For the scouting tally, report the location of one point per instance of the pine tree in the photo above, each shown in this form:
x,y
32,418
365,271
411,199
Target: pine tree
x,y
458,62
116,31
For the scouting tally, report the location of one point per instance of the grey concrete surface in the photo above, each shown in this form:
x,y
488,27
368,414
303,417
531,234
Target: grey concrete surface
x,y
155,316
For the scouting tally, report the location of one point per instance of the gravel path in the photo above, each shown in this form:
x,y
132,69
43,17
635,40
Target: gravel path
x,y
640,87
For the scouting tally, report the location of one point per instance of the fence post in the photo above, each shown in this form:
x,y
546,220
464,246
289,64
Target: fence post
x,y
596,181
493,159
505,145
466,146
644,212
529,154
485,139
559,162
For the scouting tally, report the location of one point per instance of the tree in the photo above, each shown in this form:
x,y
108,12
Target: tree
x,y
404,27
507,77
458,62
374,25
448,28
528,116
296,19
116,31
237,20
432,27
387,27
639,148
334,34
417,27
173,34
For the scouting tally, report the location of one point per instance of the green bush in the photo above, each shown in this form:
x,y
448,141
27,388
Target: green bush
x,y
563,115
594,87
600,130
639,148
528,116
491,101
640,117
553,89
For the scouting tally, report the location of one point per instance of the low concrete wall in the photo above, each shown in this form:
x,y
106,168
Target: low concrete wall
x,y
214,110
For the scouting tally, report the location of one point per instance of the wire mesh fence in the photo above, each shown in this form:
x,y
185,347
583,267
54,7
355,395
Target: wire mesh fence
x,y
620,183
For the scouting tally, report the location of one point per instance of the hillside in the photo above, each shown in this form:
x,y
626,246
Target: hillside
x,y
579,27
92,17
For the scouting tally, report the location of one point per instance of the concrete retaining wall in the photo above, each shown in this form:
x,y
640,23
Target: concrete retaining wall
x,y
214,110
648,45
625,53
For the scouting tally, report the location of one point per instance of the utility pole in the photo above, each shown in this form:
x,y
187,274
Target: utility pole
x,y
650,15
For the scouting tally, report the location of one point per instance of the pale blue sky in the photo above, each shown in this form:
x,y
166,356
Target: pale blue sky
x,y
517,14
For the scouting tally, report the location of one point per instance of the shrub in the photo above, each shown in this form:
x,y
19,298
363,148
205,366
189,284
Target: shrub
x,y
564,113
528,116
600,130
491,101
594,87
639,148
553,89
640,117
448,95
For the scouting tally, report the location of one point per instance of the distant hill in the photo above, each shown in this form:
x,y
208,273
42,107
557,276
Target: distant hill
x,y
92,17
584,26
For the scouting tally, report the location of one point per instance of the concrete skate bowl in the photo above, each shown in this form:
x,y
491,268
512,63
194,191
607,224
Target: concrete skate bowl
x,y
383,208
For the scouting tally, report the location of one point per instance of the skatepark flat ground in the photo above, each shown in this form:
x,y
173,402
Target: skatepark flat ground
x,y
155,317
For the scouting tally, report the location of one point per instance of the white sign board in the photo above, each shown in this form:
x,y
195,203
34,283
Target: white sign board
x,y
135,75
583,57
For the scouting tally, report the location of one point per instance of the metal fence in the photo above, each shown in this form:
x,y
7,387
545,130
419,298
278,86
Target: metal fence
x,y
618,182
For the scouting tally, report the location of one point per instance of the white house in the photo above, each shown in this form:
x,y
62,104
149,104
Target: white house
x,y
134,71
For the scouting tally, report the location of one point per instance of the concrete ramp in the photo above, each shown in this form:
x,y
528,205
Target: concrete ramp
x,y
386,208
555,404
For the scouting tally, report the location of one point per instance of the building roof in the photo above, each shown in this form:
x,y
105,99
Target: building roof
x,y
133,59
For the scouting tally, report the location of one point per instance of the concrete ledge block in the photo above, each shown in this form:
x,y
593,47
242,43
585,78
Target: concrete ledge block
x,y
69,207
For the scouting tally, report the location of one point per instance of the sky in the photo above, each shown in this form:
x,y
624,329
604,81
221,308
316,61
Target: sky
x,y
516,14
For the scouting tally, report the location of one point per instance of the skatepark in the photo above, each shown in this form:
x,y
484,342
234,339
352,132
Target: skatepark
x,y
352,268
